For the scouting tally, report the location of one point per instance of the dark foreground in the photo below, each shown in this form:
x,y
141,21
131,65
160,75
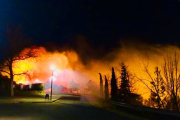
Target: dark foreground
x,y
55,111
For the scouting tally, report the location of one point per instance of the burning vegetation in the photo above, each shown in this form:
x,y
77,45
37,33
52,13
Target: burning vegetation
x,y
151,72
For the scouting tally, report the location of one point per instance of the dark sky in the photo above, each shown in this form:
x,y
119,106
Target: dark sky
x,y
101,23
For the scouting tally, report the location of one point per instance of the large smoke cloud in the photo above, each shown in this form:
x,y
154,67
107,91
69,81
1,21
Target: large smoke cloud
x,y
83,62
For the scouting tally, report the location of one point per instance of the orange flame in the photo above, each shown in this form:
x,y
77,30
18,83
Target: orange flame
x,y
69,67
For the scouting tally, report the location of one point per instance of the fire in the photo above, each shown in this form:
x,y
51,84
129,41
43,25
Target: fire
x,y
67,66
64,65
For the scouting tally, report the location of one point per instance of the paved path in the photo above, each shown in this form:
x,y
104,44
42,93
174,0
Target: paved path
x,y
55,111
67,108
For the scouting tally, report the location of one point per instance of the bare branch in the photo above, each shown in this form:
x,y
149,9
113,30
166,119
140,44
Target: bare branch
x,y
5,72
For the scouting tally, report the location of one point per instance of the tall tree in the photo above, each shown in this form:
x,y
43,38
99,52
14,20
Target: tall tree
x,y
156,87
127,92
101,85
16,42
172,79
113,85
124,90
106,89
165,88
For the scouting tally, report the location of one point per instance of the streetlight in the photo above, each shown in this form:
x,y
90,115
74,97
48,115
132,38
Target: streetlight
x,y
52,68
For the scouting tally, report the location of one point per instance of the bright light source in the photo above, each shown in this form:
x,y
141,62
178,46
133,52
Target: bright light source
x,y
52,78
52,67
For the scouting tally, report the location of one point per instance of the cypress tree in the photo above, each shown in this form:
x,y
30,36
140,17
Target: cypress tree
x,y
113,86
106,89
101,84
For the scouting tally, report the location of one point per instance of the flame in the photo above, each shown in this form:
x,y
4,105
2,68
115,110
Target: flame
x,y
69,67
64,65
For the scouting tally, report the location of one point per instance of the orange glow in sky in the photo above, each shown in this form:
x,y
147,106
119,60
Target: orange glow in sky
x,y
67,66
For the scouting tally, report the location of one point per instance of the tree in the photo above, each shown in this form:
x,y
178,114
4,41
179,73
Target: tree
x,y
12,51
172,79
113,85
106,89
124,91
127,92
156,87
101,85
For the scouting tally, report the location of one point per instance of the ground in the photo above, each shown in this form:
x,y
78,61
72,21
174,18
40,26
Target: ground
x,y
55,111
68,107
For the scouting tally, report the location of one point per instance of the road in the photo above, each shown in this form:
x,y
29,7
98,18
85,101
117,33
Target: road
x,y
60,110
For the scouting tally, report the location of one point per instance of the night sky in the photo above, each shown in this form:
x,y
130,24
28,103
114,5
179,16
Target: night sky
x,y
93,25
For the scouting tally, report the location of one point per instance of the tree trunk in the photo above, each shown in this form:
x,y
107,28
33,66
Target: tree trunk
x,y
11,82
175,102
11,88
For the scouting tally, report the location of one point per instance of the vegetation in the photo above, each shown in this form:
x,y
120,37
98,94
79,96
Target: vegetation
x,y
165,87
38,87
106,89
124,91
101,85
113,86
16,42
163,84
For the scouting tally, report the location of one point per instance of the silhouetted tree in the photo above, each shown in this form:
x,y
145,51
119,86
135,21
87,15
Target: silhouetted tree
x,y
101,85
156,87
113,85
165,87
172,79
16,42
124,91
127,92
106,89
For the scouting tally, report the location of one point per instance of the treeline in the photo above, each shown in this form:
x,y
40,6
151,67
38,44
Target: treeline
x,y
122,91
163,85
